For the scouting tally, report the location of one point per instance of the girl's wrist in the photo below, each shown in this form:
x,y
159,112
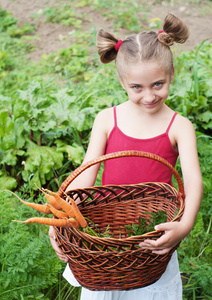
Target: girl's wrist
x,y
187,226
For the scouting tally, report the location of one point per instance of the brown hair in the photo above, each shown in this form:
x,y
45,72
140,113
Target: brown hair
x,y
144,46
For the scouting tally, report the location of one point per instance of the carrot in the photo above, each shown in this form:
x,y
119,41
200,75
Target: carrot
x,y
78,215
52,222
73,222
51,200
39,207
64,204
57,213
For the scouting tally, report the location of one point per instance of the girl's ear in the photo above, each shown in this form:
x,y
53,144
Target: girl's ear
x,y
172,75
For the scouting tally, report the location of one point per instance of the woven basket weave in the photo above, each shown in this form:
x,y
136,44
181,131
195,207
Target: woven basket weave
x,y
118,263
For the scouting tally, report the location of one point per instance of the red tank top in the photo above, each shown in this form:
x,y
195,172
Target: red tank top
x,y
133,170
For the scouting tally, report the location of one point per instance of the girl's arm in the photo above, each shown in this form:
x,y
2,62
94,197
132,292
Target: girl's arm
x,y
192,177
95,149
176,231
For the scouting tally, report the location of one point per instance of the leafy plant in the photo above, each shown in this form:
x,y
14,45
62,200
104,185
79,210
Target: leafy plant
x,y
155,23
195,252
192,86
15,31
61,13
146,224
95,232
6,20
125,19
27,261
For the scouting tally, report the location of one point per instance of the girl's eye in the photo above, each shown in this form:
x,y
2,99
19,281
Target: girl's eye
x,y
136,87
158,84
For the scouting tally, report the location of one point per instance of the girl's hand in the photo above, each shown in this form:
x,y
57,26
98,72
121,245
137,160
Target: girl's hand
x,y
59,253
174,233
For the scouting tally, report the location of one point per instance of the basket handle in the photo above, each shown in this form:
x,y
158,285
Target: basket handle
x,y
128,153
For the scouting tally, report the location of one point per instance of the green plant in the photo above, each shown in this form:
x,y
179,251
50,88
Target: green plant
x,y
192,86
15,31
61,13
6,20
28,263
155,23
195,252
73,63
126,17
146,224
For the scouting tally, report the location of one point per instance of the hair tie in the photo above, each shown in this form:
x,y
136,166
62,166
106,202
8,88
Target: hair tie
x,y
161,31
118,45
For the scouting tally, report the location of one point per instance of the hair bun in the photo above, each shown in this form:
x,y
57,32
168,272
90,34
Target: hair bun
x,y
108,45
166,38
174,30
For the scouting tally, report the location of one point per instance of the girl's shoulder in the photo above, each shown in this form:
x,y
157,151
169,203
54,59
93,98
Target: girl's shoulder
x,y
182,128
105,120
181,133
182,123
106,115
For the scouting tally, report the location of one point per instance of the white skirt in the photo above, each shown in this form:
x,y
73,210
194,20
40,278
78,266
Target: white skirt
x,y
168,287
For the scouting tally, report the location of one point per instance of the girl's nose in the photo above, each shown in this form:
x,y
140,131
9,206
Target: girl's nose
x,y
148,96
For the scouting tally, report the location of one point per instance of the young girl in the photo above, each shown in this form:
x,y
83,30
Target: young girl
x,y
145,68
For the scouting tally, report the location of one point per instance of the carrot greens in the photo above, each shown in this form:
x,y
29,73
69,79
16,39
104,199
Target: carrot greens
x,y
146,224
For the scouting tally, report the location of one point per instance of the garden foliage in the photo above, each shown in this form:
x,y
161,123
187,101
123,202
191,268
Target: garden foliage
x,y
46,114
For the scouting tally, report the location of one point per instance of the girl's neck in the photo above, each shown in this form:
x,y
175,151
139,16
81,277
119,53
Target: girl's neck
x,y
135,123
135,110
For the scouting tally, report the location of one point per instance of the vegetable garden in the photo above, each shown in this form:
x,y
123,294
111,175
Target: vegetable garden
x,y
47,109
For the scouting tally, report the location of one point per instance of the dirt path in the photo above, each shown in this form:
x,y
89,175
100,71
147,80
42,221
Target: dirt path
x,y
51,37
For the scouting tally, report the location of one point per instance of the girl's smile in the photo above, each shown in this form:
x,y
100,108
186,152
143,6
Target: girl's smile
x,y
151,105
147,85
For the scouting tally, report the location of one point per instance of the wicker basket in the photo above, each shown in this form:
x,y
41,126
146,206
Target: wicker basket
x,y
118,263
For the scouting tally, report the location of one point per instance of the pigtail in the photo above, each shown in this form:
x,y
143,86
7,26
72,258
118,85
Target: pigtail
x,y
174,30
106,43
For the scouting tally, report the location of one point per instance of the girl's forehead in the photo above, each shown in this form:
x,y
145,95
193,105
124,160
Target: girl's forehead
x,y
147,70
146,65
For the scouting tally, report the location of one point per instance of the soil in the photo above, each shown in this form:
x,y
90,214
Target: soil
x,y
51,37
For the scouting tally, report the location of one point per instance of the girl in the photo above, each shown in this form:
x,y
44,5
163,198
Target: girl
x,y
145,68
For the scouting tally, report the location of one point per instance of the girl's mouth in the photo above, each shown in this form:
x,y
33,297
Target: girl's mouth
x,y
150,105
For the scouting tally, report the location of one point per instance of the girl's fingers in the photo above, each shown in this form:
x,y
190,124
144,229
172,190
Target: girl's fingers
x,y
59,253
151,245
62,257
162,251
154,244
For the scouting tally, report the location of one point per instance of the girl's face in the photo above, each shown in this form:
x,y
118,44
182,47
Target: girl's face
x,y
147,85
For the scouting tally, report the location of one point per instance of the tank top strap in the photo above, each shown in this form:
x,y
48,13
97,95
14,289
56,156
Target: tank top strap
x,y
115,117
170,124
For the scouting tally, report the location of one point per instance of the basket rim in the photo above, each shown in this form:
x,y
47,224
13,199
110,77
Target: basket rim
x,y
122,252
114,242
127,240
119,154
134,239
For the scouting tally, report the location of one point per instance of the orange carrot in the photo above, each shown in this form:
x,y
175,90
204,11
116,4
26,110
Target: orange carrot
x,y
57,213
64,204
39,207
52,222
78,215
51,200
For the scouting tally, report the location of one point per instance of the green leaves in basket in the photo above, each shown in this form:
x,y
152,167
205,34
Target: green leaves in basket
x,y
96,232
146,224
